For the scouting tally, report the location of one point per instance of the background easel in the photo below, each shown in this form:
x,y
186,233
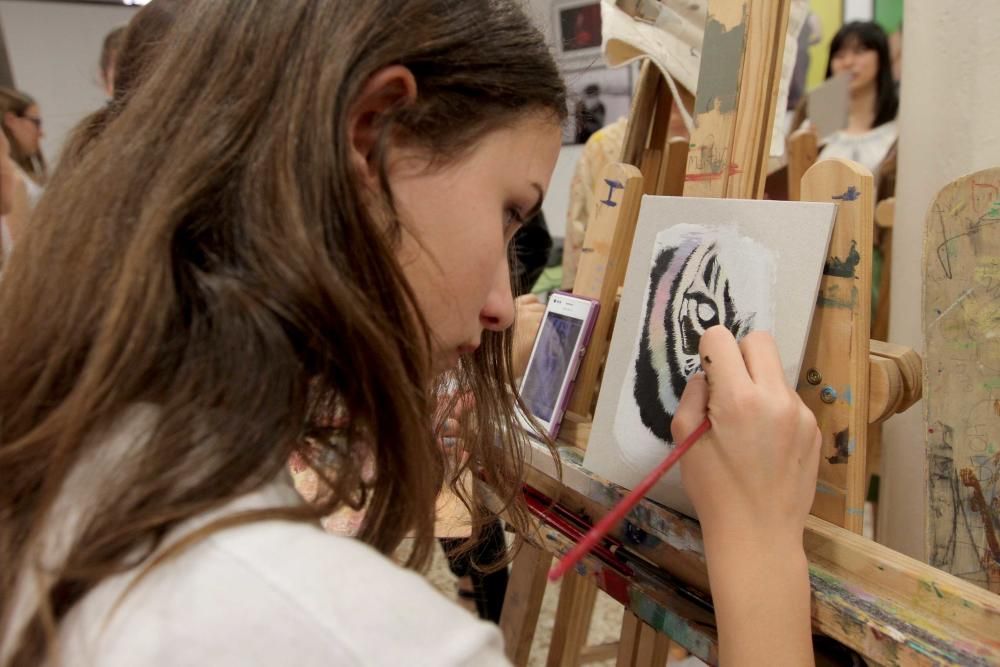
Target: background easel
x,y
659,573
962,334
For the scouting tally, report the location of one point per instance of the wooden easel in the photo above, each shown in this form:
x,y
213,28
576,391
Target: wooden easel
x,y
962,334
880,603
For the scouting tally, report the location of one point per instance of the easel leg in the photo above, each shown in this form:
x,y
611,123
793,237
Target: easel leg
x,y
576,608
653,649
629,641
523,601
641,645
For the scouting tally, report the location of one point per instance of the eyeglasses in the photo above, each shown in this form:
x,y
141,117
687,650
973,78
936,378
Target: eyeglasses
x,y
37,121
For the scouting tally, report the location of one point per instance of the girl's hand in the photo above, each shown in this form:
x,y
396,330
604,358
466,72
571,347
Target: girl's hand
x,y
753,475
529,312
752,478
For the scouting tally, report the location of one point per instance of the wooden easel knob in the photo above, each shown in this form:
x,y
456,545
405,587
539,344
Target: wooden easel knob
x,y
895,375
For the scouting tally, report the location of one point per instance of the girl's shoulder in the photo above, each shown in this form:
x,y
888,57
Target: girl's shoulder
x,y
276,592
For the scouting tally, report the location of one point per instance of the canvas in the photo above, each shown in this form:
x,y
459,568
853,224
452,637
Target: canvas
x,y
696,263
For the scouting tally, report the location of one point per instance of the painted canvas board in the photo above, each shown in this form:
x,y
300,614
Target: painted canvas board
x,y
695,263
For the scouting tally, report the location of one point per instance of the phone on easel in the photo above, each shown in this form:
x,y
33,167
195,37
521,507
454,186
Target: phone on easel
x,y
555,358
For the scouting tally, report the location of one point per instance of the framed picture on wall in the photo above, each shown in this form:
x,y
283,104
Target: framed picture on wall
x,y
576,27
597,96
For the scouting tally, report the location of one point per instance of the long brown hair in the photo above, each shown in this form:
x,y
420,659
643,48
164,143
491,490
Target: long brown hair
x,y
213,254
33,164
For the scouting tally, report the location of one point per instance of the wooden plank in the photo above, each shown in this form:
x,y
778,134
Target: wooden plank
x,y
888,607
760,73
603,260
629,641
885,214
961,322
672,176
577,597
640,118
710,155
834,379
803,150
655,161
523,601
653,649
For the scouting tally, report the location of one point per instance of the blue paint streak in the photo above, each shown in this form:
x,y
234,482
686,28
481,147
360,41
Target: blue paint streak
x,y
847,395
851,194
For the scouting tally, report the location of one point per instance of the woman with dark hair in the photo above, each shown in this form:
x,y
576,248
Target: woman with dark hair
x,y
300,224
860,51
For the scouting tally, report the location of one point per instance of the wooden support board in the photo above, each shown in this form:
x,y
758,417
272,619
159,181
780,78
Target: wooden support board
x,y
523,601
834,378
603,260
802,154
569,633
962,383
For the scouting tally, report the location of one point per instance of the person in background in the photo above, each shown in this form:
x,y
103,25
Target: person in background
x,y
21,120
19,192
109,59
9,185
138,45
860,50
589,113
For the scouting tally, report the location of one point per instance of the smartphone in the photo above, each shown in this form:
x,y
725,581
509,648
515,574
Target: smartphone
x,y
555,358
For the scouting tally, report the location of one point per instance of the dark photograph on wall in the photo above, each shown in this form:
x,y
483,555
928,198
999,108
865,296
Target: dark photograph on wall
x,y
580,26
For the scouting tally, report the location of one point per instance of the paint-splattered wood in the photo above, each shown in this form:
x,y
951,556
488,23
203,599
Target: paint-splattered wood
x,y
760,73
962,383
710,156
603,260
834,379
886,606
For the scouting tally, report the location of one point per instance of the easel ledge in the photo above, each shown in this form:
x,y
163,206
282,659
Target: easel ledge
x,y
888,607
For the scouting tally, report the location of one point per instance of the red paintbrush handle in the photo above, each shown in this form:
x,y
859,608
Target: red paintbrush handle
x,y
618,512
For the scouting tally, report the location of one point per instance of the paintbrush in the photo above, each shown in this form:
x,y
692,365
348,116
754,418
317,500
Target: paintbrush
x,y
618,512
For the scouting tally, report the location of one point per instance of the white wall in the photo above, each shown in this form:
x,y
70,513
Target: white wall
x,y
54,49
948,128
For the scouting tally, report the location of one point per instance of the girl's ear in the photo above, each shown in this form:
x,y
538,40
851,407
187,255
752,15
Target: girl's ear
x,y
388,89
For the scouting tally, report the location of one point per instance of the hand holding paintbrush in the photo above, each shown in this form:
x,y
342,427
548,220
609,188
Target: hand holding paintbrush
x,y
751,477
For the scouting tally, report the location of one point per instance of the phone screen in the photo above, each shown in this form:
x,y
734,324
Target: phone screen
x,y
549,364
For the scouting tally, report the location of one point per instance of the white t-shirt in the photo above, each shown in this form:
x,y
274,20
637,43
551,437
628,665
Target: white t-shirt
x,y
868,149
273,593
